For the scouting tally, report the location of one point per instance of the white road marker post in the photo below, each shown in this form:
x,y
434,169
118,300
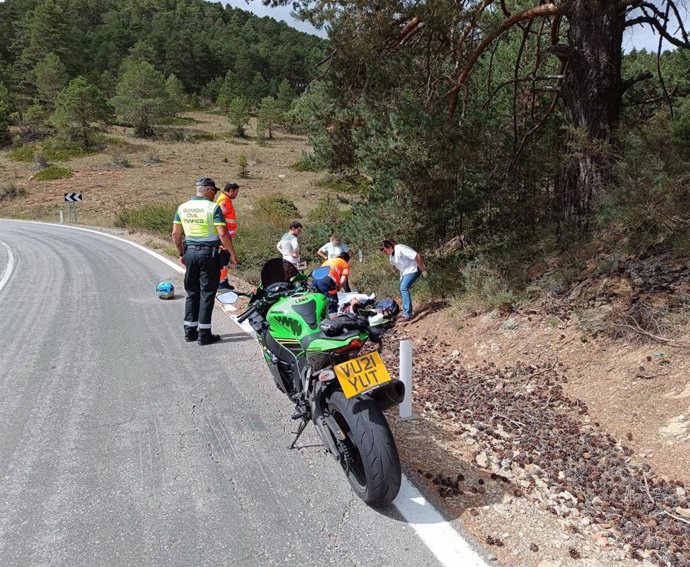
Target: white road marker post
x,y
406,378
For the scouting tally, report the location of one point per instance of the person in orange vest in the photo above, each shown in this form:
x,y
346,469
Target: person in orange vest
x,y
224,201
339,270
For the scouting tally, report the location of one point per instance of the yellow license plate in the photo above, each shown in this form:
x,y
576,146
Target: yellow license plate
x,y
361,374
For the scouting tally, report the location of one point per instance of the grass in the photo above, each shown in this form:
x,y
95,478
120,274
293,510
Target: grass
x,y
156,218
52,173
51,150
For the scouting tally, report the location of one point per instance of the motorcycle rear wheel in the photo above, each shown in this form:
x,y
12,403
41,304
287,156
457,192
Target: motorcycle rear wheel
x,y
369,456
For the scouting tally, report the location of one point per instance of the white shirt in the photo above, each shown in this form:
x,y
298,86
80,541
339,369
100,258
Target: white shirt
x,y
334,250
404,259
287,245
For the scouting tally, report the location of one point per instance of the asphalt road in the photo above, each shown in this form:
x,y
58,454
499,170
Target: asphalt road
x,y
120,444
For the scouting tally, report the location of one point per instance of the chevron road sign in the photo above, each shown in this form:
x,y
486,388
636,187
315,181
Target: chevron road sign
x,y
72,197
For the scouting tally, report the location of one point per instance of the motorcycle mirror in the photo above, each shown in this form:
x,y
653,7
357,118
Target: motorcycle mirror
x,y
320,273
227,298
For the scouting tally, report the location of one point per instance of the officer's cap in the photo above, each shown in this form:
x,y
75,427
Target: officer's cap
x,y
206,182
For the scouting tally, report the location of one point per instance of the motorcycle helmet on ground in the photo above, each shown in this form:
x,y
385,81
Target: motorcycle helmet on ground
x,y
165,290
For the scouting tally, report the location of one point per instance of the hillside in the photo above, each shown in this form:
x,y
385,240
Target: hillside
x,y
556,432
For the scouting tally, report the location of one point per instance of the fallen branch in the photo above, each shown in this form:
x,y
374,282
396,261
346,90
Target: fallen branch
x,y
670,342
680,519
646,487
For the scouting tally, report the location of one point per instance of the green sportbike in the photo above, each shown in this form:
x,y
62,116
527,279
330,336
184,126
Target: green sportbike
x,y
317,363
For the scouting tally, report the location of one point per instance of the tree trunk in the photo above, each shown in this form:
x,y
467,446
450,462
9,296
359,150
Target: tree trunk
x,y
592,91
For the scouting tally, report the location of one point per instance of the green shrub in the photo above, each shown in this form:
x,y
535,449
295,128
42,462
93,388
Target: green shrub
x,y
355,186
24,153
308,162
243,167
52,173
51,151
11,192
484,288
276,207
120,161
156,218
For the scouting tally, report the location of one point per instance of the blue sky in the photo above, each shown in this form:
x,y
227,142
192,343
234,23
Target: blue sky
x,y
643,36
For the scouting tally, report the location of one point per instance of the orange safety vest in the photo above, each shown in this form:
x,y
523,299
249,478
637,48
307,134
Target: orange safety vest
x,y
338,268
225,204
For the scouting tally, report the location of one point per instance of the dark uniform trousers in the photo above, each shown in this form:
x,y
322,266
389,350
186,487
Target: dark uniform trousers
x,y
329,288
201,283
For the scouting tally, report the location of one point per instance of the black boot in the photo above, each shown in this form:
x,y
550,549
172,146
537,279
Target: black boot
x,y
191,334
207,338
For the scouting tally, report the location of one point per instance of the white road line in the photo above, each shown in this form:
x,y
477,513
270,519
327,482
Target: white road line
x,y
9,268
449,547
163,259
439,536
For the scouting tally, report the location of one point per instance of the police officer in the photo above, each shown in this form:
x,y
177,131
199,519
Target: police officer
x,y
204,229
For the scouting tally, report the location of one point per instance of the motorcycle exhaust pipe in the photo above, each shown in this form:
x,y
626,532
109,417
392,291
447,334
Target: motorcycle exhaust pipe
x,y
389,395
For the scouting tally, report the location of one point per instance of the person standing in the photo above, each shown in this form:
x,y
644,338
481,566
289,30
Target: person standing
x,y
228,257
333,249
410,264
288,246
198,231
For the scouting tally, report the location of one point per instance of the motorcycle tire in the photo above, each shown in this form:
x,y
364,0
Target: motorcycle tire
x,y
369,456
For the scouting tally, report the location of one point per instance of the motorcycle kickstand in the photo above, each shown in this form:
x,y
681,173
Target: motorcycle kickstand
x,y
300,430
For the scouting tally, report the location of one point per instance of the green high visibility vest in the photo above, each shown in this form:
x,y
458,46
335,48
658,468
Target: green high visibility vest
x,y
200,218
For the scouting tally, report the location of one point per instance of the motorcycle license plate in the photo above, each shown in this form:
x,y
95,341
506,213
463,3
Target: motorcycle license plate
x,y
361,374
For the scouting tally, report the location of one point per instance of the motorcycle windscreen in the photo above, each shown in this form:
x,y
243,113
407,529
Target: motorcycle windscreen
x,y
273,272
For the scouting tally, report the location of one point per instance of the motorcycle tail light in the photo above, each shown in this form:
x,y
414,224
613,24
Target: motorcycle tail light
x,y
326,375
355,344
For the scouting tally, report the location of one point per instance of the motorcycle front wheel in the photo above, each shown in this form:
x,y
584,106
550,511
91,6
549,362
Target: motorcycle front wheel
x,y
368,455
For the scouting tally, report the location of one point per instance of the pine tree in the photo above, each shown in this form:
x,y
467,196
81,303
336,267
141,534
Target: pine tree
x,y
238,115
50,77
229,91
141,99
5,136
78,107
286,94
176,93
47,30
269,114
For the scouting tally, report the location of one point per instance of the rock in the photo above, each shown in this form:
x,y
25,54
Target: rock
x,y
482,460
601,540
489,317
677,429
595,319
680,493
549,563
455,353
510,325
567,496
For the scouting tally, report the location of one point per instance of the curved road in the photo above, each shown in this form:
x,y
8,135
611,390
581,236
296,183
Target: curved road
x,y
120,444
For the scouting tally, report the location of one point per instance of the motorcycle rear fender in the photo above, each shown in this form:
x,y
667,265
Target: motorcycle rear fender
x,y
324,431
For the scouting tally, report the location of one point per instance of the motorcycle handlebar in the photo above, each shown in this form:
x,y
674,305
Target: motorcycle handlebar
x,y
244,316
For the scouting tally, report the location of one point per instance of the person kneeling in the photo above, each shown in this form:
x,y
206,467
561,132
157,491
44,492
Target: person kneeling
x,y
338,273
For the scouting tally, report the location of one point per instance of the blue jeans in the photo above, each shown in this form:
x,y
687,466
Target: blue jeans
x,y
405,285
